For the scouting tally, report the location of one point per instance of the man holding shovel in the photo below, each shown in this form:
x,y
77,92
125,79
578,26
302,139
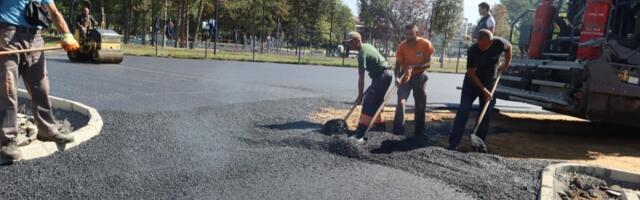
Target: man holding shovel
x,y
371,61
19,34
482,62
413,57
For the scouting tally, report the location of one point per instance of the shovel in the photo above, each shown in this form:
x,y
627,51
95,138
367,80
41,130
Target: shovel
x,y
476,142
2,53
384,102
335,126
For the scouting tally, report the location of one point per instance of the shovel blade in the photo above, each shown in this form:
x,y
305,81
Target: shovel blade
x,y
335,126
478,144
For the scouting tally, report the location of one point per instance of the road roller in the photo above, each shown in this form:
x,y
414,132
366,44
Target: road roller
x,y
98,46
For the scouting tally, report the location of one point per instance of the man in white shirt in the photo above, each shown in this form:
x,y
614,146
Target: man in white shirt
x,y
487,21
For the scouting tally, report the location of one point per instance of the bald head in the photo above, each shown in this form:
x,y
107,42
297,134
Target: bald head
x,y
485,38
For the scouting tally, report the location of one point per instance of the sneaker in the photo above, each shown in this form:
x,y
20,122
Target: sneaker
x,y
357,140
58,138
11,151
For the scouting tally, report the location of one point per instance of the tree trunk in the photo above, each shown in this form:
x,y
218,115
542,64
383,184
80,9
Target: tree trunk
x,y
127,22
103,17
178,34
195,37
144,28
444,50
164,27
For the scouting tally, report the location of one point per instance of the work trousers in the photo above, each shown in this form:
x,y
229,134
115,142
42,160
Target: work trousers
x,y
32,68
417,84
468,96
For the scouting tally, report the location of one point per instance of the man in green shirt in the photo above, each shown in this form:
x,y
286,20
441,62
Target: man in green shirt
x,y
371,61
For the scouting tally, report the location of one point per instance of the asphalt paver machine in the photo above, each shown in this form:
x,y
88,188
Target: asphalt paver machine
x,y
580,58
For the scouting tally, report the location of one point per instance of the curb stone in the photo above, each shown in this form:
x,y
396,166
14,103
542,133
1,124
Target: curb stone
x,y
549,189
39,149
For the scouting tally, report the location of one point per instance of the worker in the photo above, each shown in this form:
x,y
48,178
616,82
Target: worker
x,y
371,61
413,58
85,22
19,34
486,22
482,61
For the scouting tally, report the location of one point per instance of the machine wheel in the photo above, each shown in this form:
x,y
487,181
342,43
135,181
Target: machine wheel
x,y
95,57
73,56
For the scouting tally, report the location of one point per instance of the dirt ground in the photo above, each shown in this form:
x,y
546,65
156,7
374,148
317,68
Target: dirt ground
x,y
529,136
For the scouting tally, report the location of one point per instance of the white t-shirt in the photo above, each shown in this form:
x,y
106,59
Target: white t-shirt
x,y
491,22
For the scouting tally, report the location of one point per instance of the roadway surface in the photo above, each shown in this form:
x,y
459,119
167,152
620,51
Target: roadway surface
x,y
193,129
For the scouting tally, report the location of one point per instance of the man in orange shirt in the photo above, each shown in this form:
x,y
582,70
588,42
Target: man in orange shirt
x,y
413,58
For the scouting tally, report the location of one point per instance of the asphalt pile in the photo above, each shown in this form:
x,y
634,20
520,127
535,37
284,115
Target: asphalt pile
x,y
482,176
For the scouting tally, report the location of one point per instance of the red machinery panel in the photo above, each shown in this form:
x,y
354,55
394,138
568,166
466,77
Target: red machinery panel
x,y
542,28
594,26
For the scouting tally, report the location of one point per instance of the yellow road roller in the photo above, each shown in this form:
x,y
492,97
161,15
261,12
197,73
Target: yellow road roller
x,y
98,46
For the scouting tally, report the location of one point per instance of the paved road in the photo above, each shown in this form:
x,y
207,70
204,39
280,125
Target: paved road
x,y
183,129
219,83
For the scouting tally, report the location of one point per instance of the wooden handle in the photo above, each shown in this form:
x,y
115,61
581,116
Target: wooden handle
x,y
386,98
355,104
486,105
2,53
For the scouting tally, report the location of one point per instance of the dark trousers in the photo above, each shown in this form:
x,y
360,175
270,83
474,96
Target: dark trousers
x,y
373,99
417,84
469,95
32,68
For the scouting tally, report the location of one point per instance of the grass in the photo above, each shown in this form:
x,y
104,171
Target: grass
x,y
317,59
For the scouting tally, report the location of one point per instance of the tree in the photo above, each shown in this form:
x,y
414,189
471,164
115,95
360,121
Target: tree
x,y
517,8
403,12
500,14
447,15
195,35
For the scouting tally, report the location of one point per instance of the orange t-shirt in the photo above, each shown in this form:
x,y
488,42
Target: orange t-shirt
x,y
410,55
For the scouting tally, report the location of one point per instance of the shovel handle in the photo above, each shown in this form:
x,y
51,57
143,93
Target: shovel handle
x,y
355,105
386,98
486,105
2,53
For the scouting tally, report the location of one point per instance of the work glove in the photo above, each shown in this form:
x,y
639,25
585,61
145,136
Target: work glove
x,y
69,43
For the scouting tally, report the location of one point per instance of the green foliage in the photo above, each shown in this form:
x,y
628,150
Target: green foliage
x,y
311,18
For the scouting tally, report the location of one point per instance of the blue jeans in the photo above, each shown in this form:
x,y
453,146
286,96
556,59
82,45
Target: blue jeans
x,y
468,96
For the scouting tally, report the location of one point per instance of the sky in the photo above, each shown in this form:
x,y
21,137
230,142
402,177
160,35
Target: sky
x,y
470,8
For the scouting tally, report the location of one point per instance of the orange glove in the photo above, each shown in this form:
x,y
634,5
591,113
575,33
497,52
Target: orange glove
x,y
69,43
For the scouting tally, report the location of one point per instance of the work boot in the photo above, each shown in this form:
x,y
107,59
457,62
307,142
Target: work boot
x,y
10,151
57,138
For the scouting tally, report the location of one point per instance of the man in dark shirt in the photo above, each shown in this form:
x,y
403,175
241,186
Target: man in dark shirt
x,y
482,61
85,22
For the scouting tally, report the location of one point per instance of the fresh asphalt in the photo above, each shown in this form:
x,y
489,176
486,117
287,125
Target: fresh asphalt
x,y
194,129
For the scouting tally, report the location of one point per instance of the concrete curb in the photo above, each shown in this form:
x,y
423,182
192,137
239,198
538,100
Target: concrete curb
x,y
38,149
549,189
